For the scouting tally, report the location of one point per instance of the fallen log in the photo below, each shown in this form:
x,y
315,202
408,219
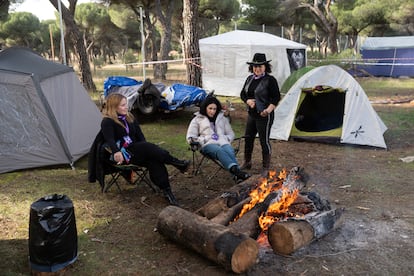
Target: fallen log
x,y
285,237
229,198
227,215
234,251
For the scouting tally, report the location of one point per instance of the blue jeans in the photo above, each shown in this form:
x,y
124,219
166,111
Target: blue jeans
x,y
224,154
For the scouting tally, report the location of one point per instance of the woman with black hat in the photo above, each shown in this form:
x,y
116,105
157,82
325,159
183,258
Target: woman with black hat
x,y
261,94
211,129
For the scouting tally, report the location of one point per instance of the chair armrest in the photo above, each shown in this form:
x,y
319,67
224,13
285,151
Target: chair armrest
x,y
194,144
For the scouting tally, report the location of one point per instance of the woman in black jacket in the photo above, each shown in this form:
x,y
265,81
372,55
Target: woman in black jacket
x,y
124,136
261,94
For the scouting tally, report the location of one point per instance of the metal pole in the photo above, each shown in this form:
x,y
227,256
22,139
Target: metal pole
x,y
142,42
62,38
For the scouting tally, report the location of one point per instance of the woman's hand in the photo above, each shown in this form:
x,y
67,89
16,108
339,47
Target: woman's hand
x,y
118,157
251,103
268,110
265,112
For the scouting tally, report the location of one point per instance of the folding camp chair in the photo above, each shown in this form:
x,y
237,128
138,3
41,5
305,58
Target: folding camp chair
x,y
125,171
200,159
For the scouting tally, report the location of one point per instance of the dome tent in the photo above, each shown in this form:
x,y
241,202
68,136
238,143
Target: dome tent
x,y
224,57
47,116
327,104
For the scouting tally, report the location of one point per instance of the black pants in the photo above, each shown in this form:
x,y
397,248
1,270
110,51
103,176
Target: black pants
x,y
154,158
262,125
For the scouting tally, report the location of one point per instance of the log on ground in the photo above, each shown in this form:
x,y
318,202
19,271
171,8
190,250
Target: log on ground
x,y
229,198
234,251
286,237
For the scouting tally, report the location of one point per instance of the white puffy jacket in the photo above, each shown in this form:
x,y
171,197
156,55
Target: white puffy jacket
x,y
200,130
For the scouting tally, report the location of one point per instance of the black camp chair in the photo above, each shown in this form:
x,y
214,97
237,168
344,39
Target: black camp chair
x,y
125,171
108,173
201,160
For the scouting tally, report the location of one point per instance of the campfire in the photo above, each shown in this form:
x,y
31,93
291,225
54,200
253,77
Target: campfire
x,y
257,212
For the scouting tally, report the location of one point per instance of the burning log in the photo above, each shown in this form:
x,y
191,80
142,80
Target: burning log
x,y
227,215
286,237
234,251
248,224
228,199
228,205
248,221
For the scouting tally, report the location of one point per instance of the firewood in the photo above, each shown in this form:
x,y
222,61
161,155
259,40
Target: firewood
x,y
228,215
286,237
234,251
248,223
229,198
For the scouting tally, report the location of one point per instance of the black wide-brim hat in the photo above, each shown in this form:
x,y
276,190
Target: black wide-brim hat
x,y
258,59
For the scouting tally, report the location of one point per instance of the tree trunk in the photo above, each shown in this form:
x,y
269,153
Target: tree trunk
x,y
160,69
191,45
235,252
78,42
326,20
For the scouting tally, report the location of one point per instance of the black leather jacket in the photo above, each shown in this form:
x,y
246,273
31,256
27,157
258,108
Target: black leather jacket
x,y
264,90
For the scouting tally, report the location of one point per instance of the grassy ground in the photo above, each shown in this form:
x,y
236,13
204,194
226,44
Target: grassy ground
x,y
116,232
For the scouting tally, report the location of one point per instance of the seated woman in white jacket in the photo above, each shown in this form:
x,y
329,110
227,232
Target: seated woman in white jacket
x,y
212,130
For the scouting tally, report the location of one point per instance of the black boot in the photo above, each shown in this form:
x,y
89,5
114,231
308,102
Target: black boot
x,y
182,165
265,165
239,174
170,196
247,164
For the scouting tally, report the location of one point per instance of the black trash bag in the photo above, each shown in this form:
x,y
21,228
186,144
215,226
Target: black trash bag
x,y
53,240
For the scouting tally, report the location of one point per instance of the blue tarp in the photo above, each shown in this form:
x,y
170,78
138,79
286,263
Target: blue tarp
x,y
172,97
118,81
183,96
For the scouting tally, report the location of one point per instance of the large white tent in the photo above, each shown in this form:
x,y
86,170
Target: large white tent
x,y
224,57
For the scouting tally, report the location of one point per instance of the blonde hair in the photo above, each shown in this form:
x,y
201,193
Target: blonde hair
x,y
110,111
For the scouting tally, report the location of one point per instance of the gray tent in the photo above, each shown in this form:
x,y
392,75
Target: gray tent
x,y
46,115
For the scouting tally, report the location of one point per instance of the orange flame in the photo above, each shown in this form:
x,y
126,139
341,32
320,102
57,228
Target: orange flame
x,y
258,195
277,208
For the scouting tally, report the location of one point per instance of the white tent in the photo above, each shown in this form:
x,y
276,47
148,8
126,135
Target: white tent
x,y
359,123
224,57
